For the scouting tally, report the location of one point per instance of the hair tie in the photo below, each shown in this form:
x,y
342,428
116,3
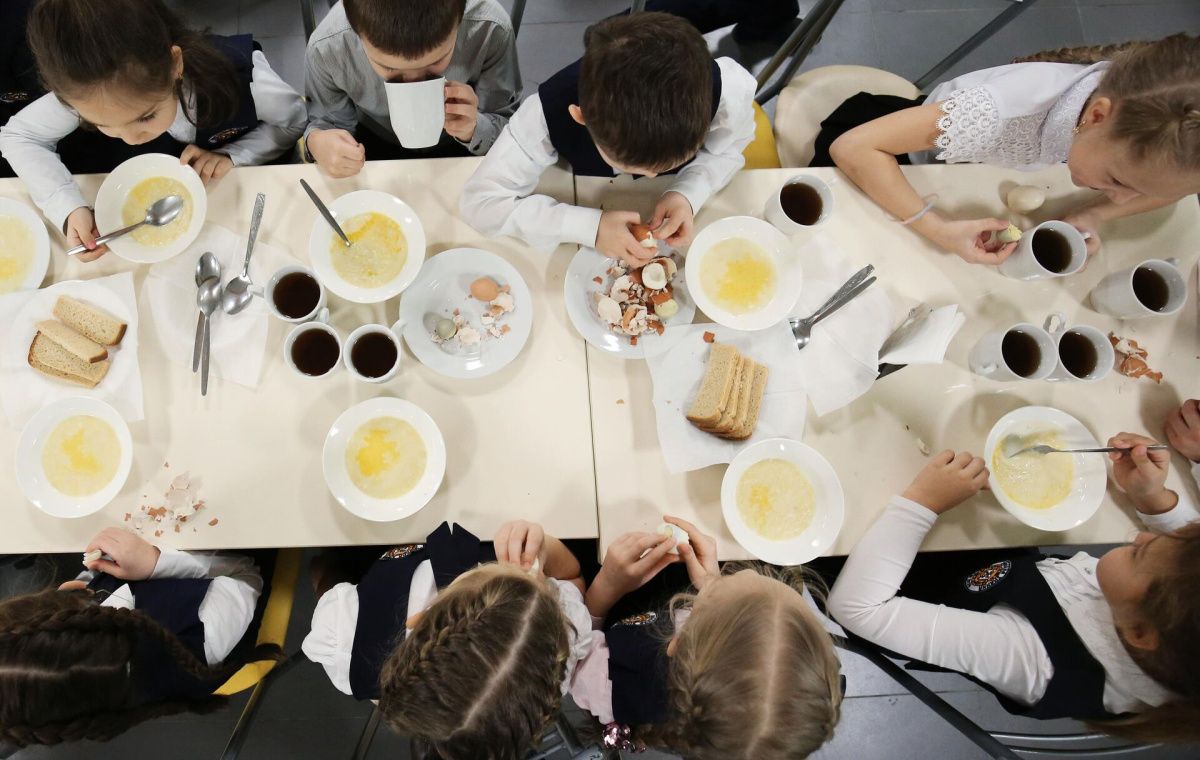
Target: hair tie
x,y
618,736
929,201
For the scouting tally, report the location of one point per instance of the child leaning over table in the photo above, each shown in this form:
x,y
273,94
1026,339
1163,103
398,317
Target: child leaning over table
x,y
144,633
735,664
646,99
364,44
1127,124
1109,640
128,77
467,648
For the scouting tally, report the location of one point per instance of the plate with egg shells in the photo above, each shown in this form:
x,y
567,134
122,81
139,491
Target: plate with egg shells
x,y
384,459
469,313
782,501
74,457
24,247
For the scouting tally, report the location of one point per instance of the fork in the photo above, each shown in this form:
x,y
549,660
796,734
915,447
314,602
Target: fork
x,y
1044,449
802,328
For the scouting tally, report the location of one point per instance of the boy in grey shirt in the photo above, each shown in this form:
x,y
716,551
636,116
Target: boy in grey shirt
x,y
363,44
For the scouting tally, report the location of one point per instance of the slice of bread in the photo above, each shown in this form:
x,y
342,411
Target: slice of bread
x,y
89,321
724,363
757,389
53,360
738,400
84,348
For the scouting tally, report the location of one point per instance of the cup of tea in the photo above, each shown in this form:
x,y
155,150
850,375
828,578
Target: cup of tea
x,y
1021,352
418,111
1051,249
803,204
294,294
1084,352
1154,288
373,353
313,349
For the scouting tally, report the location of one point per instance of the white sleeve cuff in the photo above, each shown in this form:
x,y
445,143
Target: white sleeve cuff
x,y
331,639
580,225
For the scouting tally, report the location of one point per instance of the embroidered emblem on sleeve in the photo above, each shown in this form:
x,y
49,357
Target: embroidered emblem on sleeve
x,y
644,618
988,577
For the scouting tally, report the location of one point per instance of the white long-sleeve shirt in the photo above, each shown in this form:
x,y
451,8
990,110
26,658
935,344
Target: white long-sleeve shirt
x,y
999,647
29,139
330,643
497,200
228,606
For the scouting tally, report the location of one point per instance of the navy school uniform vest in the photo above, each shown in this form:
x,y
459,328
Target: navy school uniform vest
x,y
383,597
572,140
968,581
89,151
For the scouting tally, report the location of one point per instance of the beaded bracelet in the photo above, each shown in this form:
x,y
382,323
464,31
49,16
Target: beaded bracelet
x,y
929,201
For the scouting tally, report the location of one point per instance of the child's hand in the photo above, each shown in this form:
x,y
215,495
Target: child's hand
x,y
208,165
133,558
614,239
1142,473
968,239
81,230
462,111
947,481
519,542
699,554
1183,429
673,219
337,152
1089,226
626,569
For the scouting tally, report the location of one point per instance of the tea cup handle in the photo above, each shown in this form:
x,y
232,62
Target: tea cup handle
x,y
1172,261
988,369
397,328
322,315
1062,323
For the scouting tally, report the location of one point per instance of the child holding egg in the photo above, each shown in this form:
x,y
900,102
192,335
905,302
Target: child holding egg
x,y
1110,640
143,83
468,656
1128,128
742,667
145,632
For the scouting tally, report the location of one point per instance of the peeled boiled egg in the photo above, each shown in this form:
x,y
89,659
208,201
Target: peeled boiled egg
x,y
485,289
1025,198
677,535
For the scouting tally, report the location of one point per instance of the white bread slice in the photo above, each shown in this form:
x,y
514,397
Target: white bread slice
x,y
89,321
84,348
724,363
736,413
53,360
757,389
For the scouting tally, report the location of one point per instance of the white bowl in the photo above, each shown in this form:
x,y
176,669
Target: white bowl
x,y
31,478
353,204
778,247
443,286
333,460
40,260
1091,474
111,199
580,284
827,490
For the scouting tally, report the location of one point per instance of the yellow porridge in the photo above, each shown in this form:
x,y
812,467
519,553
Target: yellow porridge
x,y
385,458
81,455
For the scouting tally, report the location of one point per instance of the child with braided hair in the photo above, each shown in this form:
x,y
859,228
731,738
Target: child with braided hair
x,y
146,632
467,656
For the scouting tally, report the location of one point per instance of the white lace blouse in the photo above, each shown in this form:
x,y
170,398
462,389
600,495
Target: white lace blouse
x,y
1019,116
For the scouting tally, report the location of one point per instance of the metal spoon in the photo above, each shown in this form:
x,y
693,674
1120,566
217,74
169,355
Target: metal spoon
x,y
1044,449
207,267
238,291
802,328
208,298
162,211
325,212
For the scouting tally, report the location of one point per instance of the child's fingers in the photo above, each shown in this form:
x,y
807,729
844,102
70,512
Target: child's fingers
x,y
461,109
500,542
533,545
961,460
104,566
694,566
667,227
1158,457
516,543
944,458
1141,460
189,152
1189,412
974,467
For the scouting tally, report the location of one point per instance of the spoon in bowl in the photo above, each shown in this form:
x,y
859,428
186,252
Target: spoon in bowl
x,y
162,211
239,291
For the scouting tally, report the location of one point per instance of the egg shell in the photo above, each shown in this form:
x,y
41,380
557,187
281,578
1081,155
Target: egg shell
x,y
485,289
678,536
1025,198
654,276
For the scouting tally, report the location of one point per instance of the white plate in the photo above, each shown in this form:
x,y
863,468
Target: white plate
x,y
1091,474
32,479
111,199
353,204
777,246
40,261
445,285
580,284
333,460
827,516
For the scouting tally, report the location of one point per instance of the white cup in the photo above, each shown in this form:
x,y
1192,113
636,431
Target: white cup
x,y
319,312
1117,297
300,330
1105,355
418,111
1023,264
775,214
393,334
987,357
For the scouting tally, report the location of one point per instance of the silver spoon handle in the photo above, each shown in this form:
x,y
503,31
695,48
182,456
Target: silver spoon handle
x,y
255,220
1109,449
325,212
840,293
845,299
105,238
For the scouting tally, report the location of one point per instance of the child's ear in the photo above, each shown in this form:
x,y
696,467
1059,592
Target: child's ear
x,y
176,62
1098,111
414,620
1139,635
672,645
576,114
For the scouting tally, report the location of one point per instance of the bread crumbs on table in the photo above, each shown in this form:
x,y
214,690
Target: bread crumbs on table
x,y
213,521
177,527
620,402
505,329
158,534
128,517
598,280
633,340
709,337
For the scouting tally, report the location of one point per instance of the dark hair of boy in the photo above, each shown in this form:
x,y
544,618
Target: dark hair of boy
x,y
645,89
407,28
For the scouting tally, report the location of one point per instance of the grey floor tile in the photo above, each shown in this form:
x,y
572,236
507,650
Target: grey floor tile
x,y
558,11
894,728
850,38
286,55
273,18
937,5
305,692
218,16
864,679
543,49
296,739
196,740
1103,24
